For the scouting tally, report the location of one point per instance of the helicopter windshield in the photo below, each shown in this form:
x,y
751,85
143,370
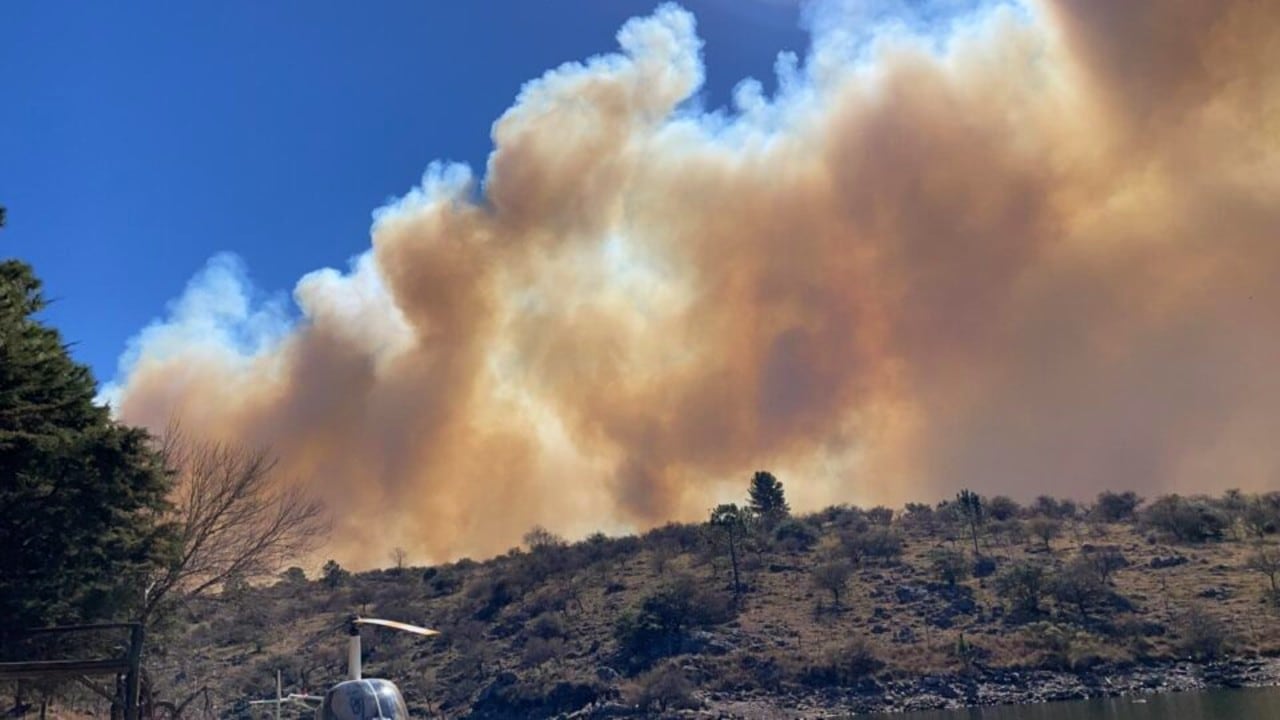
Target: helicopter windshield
x,y
363,700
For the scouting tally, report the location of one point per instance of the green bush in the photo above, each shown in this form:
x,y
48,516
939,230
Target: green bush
x,y
1116,507
1023,585
657,626
795,535
874,543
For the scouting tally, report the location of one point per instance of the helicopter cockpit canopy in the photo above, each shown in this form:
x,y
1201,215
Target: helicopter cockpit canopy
x,y
363,700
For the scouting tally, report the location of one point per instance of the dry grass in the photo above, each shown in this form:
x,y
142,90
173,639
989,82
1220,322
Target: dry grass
x,y
783,626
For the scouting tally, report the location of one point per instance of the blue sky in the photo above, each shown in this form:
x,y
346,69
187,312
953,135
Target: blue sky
x,y
137,140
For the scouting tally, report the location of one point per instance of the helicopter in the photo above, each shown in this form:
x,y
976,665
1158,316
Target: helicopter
x,y
357,697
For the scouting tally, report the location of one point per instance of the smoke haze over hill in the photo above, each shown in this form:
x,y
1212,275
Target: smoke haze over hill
x,y
1025,248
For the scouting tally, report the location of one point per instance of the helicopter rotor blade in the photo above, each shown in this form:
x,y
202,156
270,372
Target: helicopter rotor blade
x,y
406,627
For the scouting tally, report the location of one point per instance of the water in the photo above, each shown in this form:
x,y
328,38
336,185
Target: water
x,y
1250,704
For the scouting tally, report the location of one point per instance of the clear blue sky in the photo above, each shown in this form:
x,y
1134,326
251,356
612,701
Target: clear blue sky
x,y
139,139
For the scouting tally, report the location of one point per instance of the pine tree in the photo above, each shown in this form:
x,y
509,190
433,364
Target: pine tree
x,y
82,496
767,498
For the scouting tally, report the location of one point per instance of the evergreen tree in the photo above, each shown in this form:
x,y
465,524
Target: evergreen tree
x,y
767,499
82,496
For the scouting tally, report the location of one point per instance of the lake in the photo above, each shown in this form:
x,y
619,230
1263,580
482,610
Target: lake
x,y
1249,704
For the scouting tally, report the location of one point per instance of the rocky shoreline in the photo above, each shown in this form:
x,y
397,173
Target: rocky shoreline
x,y
984,687
980,687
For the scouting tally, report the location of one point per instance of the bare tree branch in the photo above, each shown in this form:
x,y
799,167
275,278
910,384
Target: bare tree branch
x,y
233,519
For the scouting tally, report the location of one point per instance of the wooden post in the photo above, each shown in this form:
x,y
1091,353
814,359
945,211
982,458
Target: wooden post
x,y
135,671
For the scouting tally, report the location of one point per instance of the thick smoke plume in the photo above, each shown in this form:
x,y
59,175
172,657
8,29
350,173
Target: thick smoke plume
x,y
1030,248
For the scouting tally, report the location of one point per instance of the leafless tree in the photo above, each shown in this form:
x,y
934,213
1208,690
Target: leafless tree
x,y
232,517
398,557
1266,560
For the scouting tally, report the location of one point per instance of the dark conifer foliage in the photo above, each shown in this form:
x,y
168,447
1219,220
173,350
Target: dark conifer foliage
x,y
82,496
767,498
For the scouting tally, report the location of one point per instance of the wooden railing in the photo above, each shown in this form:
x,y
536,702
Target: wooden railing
x,y
128,665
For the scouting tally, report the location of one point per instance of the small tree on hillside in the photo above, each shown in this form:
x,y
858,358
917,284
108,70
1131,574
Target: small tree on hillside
x,y
767,498
1260,517
1023,584
1045,529
1266,560
730,521
333,575
1106,561
294,576
1078,584
398,557
969,504
833,577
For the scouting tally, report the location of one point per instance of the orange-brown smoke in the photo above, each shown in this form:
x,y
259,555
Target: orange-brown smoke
x,y
1037,252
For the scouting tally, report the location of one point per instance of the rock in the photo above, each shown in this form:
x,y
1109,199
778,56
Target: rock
x,y
606,674
1159,563
910,593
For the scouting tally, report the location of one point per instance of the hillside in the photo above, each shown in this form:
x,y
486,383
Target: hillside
x,y
1062,601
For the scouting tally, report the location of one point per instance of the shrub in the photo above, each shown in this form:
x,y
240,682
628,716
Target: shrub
x,y
984,566
880,515
664,689
1078,585
1261,516
1116,507
441,581
547,626
683,536
541,650
1051,643
833,577
795,535
949,566
1266,561
1012,531
1022,584
539,538
1106,561
843,665
1045,506
657,625
333,575
1044,529
877,542
920,517
1002,508
1190,520
1203,636
490,594
843,518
